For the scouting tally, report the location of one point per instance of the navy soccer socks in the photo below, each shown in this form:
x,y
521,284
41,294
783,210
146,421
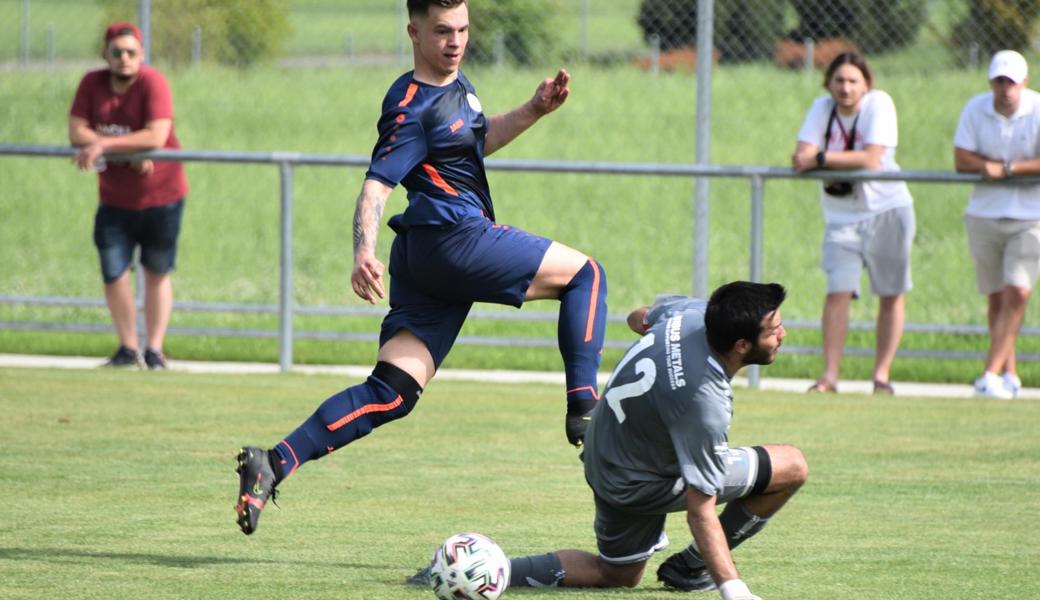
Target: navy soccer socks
x,y
389,393
582,324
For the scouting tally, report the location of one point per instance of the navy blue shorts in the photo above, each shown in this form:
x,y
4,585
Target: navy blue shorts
x,y
118,230
436,274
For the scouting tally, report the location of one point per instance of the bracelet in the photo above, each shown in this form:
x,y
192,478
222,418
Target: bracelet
x,y
821,158
1008,168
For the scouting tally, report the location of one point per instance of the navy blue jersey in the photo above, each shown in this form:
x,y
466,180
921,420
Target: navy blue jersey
x,y
431,140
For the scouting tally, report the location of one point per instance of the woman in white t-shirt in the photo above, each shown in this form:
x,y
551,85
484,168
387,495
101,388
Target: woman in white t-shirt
x,y
868,224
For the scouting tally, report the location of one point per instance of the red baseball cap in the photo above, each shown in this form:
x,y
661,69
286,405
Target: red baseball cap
x,y
124,28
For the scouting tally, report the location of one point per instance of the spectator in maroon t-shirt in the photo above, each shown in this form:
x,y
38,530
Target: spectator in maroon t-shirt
x,y
128,108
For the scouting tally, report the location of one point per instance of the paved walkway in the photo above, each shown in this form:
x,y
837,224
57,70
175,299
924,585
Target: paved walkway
x,y
938,390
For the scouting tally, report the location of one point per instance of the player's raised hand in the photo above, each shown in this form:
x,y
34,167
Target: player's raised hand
x,y
367,278
551,93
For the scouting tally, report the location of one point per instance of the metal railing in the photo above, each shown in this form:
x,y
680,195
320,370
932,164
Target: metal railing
x,y
288,161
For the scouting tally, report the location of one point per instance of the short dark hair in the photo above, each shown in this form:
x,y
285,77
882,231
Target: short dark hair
x,y
848,58
735,312
422,7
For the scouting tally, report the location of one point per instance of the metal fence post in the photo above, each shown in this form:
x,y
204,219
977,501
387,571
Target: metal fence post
x,y
705,52
144,16
754,374
25,33
196,46
285,300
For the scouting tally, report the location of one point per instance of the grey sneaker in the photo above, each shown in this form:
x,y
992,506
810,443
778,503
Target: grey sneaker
x,y
675,573
124,358
155,360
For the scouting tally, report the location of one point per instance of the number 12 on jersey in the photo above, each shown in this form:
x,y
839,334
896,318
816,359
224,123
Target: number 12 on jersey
x,y
644,368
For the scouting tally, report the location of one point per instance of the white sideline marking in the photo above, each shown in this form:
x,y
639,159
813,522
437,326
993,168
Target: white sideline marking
x,y
932,390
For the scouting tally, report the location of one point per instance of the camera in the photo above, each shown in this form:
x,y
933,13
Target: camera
x,y
838,188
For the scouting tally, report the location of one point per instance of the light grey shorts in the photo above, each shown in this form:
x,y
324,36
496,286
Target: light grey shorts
x,y
1006,252
631,534
881,244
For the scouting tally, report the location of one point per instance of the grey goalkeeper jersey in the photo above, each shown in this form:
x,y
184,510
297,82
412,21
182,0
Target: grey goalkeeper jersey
x,y
665,413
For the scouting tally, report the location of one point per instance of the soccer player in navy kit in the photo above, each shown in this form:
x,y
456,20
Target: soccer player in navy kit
x,y
448,253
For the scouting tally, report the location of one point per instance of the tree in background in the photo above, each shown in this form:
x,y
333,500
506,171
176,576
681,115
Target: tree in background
x,y
234,32
993,25
876,26
524,26
745,30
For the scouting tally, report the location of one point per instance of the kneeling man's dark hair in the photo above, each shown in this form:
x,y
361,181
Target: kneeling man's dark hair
x,y
735,312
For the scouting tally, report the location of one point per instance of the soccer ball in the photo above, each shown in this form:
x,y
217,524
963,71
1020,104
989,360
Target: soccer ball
x,y
469,566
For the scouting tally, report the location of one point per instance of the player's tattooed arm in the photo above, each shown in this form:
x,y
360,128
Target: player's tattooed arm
x,y
367,277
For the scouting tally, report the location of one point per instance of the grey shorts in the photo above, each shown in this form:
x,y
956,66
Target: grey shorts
x,y
1006,252
881,244
631,534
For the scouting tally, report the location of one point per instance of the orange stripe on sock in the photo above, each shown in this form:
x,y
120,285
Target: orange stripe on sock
x,y
409,94
364,410
439,181
595,393
296,461
589,326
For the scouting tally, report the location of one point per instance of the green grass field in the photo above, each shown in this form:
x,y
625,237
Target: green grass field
x,y
121,485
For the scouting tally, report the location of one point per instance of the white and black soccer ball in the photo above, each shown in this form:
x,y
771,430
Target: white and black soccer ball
x,y
469,566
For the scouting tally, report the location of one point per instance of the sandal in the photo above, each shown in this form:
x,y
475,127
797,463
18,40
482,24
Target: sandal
x,y
883,388
823,386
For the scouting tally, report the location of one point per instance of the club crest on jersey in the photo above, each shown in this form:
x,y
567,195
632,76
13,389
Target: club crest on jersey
x,y
474,102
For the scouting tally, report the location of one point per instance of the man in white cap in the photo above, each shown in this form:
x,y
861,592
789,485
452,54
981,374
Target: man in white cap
x,y
997,136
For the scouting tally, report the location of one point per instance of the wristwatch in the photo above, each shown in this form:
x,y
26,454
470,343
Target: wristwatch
x,y
821,158
1008,168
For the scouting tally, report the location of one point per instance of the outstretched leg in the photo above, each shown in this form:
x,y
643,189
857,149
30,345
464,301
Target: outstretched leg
x,y
389,393
581,285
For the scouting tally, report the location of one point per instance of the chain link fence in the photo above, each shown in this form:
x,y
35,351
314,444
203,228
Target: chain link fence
x,y
271,70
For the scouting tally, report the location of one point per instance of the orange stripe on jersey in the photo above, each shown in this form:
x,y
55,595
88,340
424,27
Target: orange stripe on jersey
x,y
438,180
592,301
409,94
364,410
457,125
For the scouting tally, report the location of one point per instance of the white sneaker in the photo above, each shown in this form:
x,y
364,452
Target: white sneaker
x,y
991,385
1012,384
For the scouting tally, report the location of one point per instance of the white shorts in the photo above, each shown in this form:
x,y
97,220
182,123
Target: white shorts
x,y
1006,252
881,244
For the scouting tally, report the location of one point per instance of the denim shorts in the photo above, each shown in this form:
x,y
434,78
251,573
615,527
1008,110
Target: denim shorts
x,y
117,231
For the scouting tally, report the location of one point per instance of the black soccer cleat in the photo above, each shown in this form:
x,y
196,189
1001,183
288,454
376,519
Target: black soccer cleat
x,y
256,485
677,574
579,413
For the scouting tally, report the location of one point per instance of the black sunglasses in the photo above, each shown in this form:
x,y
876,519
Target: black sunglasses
x,y
119,52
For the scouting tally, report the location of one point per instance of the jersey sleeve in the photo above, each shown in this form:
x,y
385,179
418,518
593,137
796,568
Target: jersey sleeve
x,y
160,99
880,128
700,437
400,148
81,101
965,138
815,124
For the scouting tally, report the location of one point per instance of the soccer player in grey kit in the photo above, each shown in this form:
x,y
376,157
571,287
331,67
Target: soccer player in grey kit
x,y
658,443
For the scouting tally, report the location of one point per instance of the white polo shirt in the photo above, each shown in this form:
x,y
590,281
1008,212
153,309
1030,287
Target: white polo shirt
x,y
985,131
876,126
